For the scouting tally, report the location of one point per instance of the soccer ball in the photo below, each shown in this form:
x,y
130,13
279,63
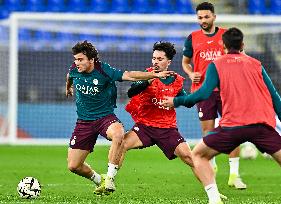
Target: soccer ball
x,y
248,151
29,187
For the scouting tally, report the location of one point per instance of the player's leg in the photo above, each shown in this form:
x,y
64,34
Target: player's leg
x,y
268,140
207,113
81,144
115,132
76,162
277,156
207,126
205,172
183,151
220,140
234,179
131,141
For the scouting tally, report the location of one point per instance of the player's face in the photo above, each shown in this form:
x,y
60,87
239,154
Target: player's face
x,y
206,19
82,63
160,62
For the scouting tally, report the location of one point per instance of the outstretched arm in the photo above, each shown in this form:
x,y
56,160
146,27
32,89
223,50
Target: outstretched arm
x,y
138,75
210,83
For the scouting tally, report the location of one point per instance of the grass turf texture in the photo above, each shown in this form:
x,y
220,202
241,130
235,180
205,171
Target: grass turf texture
x,y
146,177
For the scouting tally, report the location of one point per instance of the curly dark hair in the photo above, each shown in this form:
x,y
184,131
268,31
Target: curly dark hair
x,y
87,49
205,6
166,47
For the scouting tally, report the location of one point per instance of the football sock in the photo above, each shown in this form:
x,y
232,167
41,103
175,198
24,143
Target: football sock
x,y
234,166
112,170
213,193
96,178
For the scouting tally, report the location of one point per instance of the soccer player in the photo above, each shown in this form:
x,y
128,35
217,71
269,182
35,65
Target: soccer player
x,y
155,124
202,47
94,84
249,104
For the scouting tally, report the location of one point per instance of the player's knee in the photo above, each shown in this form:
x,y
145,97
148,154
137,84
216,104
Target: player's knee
x,y
187,158
73,167
118,136
196,154
126,145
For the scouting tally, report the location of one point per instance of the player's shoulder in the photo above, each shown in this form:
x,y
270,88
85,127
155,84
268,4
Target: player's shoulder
x,y
252,59
177,75
196,32
193,33
72,69
104,65
221,29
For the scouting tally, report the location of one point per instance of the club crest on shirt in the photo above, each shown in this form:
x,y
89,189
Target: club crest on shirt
x,y
72,142
95,82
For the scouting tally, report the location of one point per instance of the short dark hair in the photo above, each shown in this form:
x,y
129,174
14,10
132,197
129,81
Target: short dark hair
x,y
205,6
233,38
166,47
87,49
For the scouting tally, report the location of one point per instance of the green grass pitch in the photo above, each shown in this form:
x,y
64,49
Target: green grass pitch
x,y
146,177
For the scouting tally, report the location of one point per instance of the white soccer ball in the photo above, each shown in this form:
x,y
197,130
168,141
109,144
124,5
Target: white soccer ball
x,y
29,187
248,151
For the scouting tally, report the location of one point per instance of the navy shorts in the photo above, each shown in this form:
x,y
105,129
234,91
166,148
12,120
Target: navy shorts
x,y
86,132
167,139
209,108
224,140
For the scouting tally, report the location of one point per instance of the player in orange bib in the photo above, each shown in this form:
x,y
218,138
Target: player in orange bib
x,y
154,123
202,47
249,105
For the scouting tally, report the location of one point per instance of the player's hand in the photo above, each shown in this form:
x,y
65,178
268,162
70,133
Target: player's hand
x,y
167,102
164,74
195,77
69,91
151,80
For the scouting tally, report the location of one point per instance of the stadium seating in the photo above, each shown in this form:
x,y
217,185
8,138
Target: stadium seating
x,y
14,5
128,6
25,34
77,6
183,6
36,5
275,7
257,7
163,6
141,6
99,6
117,6
56,6
120,6
4,13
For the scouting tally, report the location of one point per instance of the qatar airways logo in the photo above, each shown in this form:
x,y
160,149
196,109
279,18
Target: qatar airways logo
x,y
87,90
210,55
157,102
